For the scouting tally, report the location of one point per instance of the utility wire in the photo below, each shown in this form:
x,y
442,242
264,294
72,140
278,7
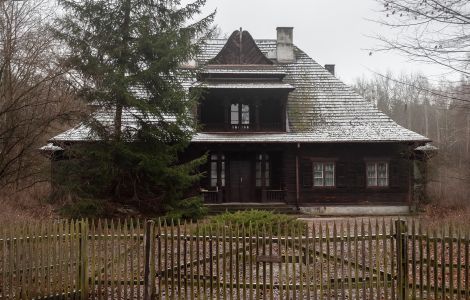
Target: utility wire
x,y
420,88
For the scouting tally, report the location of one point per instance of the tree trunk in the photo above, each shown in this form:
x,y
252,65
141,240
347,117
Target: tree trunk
x,y
468,136
124,62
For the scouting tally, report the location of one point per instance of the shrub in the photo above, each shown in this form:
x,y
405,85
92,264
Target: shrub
x,y
83,208
191,208
257,220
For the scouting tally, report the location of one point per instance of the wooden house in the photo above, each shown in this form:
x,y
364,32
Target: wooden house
x,y
280,128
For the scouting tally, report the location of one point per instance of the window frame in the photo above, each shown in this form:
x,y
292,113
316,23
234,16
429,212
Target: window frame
x,y
323,163
263,160
376,163
241,124
217,159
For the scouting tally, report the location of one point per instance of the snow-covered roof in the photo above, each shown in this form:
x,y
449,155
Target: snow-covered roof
x,y
320,109
105,117
426,148
50,147
245,85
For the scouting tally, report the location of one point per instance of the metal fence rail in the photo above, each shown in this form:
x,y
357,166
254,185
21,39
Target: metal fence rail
x,y
109,259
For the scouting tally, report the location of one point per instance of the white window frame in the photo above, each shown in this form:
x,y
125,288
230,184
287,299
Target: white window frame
x,y
376,174
242,120
215,160
323,163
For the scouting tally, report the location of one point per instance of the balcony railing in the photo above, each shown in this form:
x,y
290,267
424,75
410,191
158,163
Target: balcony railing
x,y
213,127
275,195
241,127
211,196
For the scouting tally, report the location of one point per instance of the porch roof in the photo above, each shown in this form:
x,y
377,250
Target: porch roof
x,y
244,84
373,135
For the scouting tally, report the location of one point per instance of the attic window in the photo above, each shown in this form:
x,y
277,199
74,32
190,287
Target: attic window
x,y
377,174
240,116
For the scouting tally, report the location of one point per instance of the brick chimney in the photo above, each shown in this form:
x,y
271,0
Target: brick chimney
x,y
285,45
331,69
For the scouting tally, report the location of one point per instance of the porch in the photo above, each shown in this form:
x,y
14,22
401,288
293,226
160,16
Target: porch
x,y
244,177
265,196
278,207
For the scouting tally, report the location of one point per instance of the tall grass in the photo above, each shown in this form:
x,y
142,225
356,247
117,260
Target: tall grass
x,y
25,205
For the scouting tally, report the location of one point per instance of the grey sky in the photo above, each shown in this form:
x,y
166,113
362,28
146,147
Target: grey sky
x,y
330,31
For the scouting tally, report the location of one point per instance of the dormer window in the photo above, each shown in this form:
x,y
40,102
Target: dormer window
x,y
240,116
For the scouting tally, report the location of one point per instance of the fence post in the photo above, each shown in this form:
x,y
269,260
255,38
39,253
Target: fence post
x,y
149,267
83,251
402,259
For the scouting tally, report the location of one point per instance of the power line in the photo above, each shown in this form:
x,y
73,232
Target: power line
x,y
420,88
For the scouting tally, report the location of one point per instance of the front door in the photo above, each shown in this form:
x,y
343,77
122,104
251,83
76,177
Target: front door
x,y
240,181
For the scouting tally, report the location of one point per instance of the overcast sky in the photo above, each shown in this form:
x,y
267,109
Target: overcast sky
x,y
330,31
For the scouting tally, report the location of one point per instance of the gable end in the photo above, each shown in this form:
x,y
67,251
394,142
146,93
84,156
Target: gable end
x,y
240,49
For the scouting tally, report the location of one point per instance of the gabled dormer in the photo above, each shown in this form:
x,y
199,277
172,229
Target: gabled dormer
x,y
244,89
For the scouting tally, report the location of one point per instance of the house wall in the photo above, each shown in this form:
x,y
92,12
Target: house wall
x,y
350,168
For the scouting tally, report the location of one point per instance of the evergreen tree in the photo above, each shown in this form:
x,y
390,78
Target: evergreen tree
x,y
126,57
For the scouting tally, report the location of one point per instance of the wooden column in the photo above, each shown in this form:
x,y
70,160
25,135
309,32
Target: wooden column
x,y
283,113
219,177
297,177
226,114
257,123
263,177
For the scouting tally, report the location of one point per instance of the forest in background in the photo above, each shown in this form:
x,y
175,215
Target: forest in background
x,y
439,111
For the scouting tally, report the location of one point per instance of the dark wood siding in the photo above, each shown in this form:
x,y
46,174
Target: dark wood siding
x,y
350,173
350,170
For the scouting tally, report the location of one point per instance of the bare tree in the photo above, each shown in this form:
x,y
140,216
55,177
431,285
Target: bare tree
x,y
33,90
433,31
442,113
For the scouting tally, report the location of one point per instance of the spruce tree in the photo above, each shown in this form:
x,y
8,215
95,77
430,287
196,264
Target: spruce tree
x,y
125,57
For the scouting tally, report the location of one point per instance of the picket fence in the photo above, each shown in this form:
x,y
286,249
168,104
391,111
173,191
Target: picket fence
x,y
132,259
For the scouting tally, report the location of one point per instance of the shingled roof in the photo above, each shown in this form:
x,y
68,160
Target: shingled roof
x,y
321,108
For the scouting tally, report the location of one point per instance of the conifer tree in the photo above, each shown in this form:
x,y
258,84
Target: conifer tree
x,y
126,57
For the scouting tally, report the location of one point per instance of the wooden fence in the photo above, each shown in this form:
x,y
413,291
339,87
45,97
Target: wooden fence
x,y
378,259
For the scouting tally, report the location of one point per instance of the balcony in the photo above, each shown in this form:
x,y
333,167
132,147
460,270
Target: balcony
x,y
263,127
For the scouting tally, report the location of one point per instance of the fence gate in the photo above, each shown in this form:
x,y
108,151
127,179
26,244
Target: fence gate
x,y
365,259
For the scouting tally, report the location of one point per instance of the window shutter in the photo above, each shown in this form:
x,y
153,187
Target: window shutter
x,y
360,174
306,173
341,174
394,173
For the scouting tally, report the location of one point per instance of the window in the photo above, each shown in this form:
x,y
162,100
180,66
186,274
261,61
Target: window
x,y
234,114
377,174
263,160
240,116
215,161
323,174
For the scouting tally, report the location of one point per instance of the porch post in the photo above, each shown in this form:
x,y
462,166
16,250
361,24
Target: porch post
x,y
283,115
226,114
257,124
297,177
263,177
219,176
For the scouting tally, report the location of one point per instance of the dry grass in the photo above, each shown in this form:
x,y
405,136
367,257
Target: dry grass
x,y
439,216
25,205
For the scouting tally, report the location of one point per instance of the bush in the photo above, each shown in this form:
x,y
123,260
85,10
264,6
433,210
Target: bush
x,y
191,208
257,220
83,208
